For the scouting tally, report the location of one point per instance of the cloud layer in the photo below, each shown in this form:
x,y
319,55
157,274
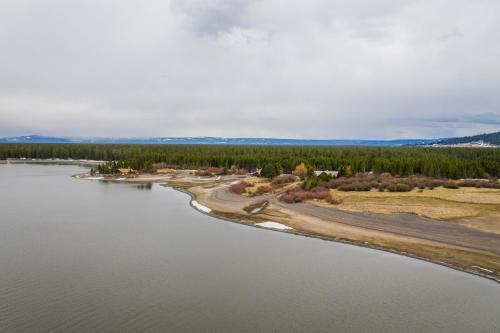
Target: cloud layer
x,y
285,68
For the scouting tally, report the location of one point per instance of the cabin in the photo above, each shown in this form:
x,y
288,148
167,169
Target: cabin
x,y
127,171
255,172
334,174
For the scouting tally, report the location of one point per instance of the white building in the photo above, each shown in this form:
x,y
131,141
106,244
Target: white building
x,y
334,174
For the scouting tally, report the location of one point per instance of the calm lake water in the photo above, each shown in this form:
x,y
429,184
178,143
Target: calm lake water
x,y
80,256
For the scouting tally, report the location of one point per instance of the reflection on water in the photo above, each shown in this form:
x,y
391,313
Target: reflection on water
x,y
93,256
146,186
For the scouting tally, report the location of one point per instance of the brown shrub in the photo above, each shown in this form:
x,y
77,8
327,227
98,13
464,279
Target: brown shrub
x,y
300,171
283,179
210,171
436,182
399,187
479,183
346,188
263,189
299,195
450,184
203,173
385,181
470,183
292,197
492,183
234,170
239,187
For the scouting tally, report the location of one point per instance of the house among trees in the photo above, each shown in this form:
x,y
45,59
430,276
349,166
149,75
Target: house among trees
x,y
333,174
127,171
255,172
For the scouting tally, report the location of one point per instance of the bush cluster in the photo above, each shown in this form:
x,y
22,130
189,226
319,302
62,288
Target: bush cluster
x,y
479,183
263,189
210,171
239,187
387,182
283,179
203,173
299,195
271,170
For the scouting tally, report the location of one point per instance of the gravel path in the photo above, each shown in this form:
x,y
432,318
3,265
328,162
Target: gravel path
x,y
404,225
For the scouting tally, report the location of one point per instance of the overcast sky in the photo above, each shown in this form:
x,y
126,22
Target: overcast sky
x,y
332,69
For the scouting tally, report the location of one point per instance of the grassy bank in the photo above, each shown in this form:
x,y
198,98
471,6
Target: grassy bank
x,y
478,208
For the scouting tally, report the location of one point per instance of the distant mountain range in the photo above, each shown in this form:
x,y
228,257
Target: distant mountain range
x,y
491,138
218,141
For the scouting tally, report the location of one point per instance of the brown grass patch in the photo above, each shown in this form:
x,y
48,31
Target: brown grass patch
x,y
474,207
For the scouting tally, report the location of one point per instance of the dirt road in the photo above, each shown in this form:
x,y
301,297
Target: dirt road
x,y
408,225
404,225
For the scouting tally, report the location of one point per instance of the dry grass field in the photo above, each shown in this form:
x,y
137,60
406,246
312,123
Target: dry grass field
x,y
256,183
475,207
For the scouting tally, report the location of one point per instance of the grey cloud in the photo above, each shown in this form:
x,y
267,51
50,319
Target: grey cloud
x,y
487,118
484,118
211,17
454,34
284,68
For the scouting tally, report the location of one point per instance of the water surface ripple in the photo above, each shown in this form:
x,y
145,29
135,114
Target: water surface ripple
x,y
83,256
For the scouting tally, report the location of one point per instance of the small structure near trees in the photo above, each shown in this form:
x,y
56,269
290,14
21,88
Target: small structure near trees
x,y
333,174
127,171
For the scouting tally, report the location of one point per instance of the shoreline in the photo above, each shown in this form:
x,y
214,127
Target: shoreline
x,y
330,239
250,220
188,186
84,163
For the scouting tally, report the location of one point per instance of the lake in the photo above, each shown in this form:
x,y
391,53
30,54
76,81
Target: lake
x,y
81,255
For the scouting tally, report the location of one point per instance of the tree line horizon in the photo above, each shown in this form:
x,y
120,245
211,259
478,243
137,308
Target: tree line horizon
x,y
454,163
